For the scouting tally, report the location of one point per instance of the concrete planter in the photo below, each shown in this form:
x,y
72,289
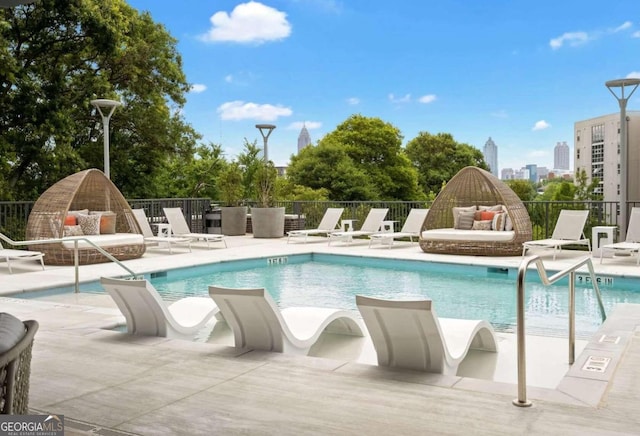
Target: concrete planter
x,y
234,220
267,222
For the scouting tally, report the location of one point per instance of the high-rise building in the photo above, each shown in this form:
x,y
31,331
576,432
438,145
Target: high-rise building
x,y
561,156
533,172
304,138
597,151
491,156
507,174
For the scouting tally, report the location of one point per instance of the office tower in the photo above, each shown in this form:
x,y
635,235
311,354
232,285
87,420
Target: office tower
x,y
561,156
491,156
304,138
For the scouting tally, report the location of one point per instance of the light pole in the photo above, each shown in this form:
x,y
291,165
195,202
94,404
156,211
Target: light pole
x,y
268,128
111,106
624,161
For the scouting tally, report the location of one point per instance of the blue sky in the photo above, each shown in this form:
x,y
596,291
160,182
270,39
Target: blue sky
x,y
519,72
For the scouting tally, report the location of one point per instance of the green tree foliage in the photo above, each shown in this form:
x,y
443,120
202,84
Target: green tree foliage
x,y
439,157
524,189
55,57
584,189
362,159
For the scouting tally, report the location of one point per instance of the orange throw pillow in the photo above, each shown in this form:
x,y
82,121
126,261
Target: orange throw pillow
x,y
70,220
486,215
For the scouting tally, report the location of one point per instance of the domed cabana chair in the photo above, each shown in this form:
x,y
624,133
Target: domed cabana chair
x,y
475,189
68,210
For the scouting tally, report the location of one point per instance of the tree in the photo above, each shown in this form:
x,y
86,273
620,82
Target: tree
x,y
362,159
439,157
55,57
584,189
524,189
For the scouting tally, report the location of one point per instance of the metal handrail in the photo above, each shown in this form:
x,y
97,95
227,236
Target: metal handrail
x,y
522,401
75,254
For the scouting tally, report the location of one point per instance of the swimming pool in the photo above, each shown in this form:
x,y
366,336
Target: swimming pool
x,y
458,291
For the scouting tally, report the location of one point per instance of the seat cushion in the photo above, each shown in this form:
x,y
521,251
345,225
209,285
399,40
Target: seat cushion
x,y
11,331
107,240
467,235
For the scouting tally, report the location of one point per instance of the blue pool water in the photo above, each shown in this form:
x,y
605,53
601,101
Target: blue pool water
x,y
458,291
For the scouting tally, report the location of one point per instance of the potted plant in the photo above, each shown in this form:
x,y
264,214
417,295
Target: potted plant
x,y
233,213
267,221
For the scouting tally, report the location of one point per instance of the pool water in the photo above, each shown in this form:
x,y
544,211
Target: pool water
x,y
457,291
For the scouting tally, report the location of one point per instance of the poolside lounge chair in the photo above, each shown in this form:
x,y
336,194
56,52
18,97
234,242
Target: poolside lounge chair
x,y
409,335
327,225
632,241
169,241
9,254
372,224
257,323
148,315
569,230
179,227
411,228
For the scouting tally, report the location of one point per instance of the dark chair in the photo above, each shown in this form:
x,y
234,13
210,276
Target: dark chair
x,y
16,341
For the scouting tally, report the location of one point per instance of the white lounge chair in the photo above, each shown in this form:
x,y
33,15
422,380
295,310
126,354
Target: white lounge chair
x,y
372,224
10,254
632,242
411,229
569,230
180,228
168,241
148,315
257,323
409,335
327,225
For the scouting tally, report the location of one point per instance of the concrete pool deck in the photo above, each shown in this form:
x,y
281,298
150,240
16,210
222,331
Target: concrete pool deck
x,y
106,382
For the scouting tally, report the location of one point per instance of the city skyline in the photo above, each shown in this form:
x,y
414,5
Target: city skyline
x,y
520,75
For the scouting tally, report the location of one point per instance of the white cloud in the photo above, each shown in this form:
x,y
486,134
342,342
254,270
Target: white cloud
x,y
624,26
405,99
636,34
541,125
228,78
537,154
429,98
250,22
310,125
197,88
500,114
239,110
353,101
572,38
633,75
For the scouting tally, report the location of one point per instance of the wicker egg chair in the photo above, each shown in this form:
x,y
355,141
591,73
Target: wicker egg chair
x,y
475,186
92,190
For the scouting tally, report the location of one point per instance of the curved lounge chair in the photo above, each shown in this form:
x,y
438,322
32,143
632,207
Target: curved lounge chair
x,y
9,254
411,228
257,322
408,334
180,228
148,315
327,225
147,233
569,230
632,241
371,225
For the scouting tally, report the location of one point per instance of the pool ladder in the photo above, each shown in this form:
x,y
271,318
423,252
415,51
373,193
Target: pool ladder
x,y
522,401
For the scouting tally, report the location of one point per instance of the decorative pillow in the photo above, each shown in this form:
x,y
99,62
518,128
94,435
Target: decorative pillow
x,y
477,215
90,224
481,225
11,331
486,215
73,231
70,220
496,208
499,220
107,221
456,213
465,220
508,225
78,212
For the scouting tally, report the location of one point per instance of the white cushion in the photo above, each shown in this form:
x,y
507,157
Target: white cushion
x,y
466,235
109,240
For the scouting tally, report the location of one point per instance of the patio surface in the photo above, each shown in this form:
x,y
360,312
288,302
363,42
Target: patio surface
x,y
108,383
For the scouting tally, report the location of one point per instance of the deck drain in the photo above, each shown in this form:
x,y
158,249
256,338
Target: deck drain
x,y
605,339
596,364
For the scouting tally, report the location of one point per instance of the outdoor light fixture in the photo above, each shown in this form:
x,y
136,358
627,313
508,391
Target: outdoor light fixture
x,y
265,131
109,106
624,161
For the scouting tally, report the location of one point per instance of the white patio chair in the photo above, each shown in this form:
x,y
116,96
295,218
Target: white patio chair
x,y
371,225
180,228
632,242
411,229
569,230
162,241
327,225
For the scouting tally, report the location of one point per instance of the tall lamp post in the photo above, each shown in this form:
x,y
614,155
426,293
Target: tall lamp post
x,y
265,131
109,107
624,161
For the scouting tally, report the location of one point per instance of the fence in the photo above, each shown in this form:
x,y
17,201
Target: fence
x,y
544,214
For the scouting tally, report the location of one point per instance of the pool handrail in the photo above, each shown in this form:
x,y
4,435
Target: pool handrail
x,y
570,271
